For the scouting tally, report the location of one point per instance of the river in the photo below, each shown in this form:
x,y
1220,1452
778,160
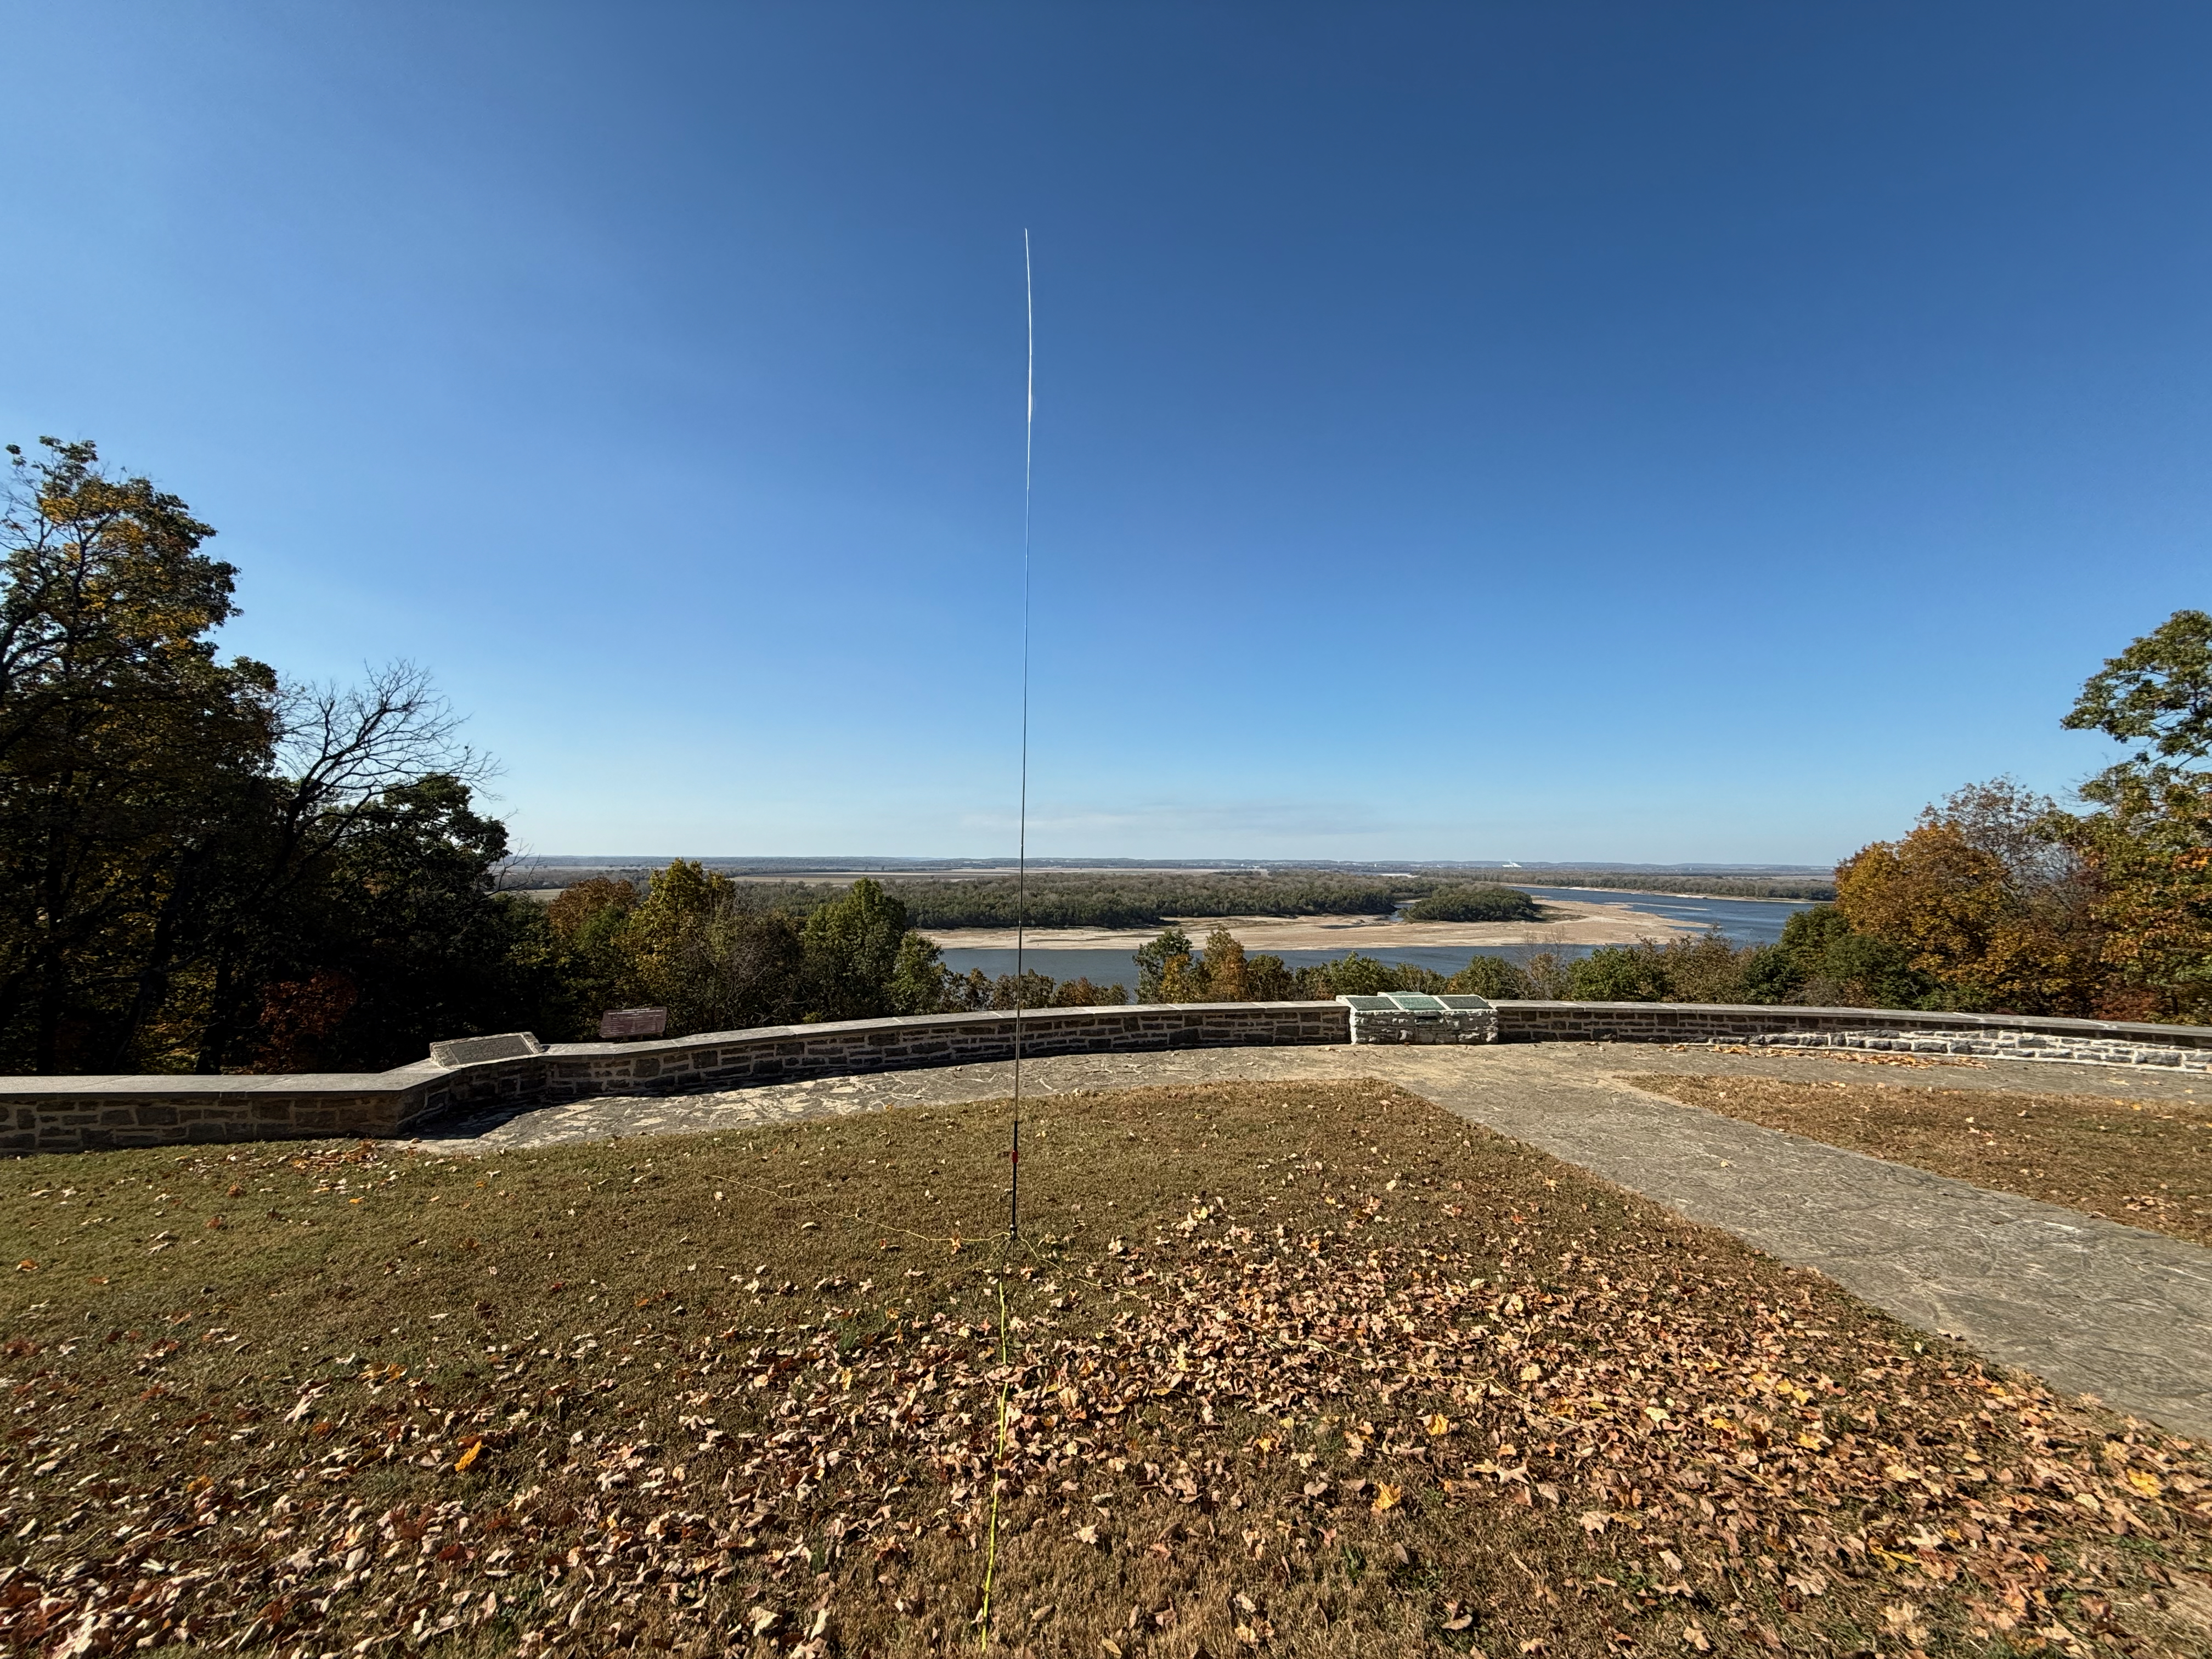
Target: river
x,y
1742,921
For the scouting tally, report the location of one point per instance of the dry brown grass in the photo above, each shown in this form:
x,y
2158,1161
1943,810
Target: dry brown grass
x,y
2148,1163
1291,1369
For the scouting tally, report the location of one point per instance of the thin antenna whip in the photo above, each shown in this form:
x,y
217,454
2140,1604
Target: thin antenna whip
x,y
1021,930
1022,831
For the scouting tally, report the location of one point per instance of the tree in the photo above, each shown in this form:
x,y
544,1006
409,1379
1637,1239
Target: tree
x,y
1489,976
1357,975
2160,688
405,919
1620,973
1475,903
919,983
2148,845
1987,899
1268,979
1080,992
125,748
696,948
851,950
342,761
1223,974
1154,959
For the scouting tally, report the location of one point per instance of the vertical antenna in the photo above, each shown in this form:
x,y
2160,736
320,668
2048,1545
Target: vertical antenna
x,y
1022,831
1021,923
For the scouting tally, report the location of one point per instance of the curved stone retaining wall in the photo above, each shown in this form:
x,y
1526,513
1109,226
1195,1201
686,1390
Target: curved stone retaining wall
x,y
71,1114
74,1114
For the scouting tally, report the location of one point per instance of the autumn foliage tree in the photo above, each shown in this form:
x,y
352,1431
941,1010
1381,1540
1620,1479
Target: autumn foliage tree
x,y
2002,900
1984,898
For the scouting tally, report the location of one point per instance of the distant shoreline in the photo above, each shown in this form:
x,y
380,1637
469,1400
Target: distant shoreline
x,y
1570,924
546,894
1662,892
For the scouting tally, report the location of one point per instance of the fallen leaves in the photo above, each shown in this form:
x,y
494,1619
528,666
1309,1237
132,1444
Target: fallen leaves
x,y
1669,1429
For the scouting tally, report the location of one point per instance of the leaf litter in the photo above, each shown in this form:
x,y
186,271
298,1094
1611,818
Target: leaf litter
x,y
1289,1369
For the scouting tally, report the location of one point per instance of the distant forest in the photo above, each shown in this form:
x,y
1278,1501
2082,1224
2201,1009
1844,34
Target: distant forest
x,y
1147,900
1136,900
1143,898
1817,888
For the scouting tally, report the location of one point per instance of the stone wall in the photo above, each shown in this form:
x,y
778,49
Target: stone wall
x,y
72,1114
2000,1037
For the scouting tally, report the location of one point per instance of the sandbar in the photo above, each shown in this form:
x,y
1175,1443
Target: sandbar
x,y
1575,924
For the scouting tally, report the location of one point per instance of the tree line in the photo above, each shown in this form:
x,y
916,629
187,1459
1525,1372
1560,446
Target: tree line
x,y
1090,900
1999,901
1667,882
206,866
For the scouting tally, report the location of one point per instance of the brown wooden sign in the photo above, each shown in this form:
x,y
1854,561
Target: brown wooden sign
x,y
634,1023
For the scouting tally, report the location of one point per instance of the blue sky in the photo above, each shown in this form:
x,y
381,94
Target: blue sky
x,y
1609,431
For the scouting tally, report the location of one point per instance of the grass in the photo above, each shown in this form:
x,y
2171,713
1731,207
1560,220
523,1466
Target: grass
x,y
1287,1369
2148,1163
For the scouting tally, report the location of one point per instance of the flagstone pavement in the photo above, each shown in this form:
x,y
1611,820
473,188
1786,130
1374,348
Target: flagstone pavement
x,y
2092,1306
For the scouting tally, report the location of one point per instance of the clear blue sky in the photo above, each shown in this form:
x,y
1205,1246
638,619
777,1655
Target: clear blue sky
x,y
1611,431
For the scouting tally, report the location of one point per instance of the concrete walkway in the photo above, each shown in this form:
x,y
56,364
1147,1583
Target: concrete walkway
x,y
2091,1306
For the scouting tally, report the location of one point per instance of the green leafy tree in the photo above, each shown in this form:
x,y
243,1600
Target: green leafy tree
x,y
1620,973
2158,690
1822,961
1770,974
919,983
850,948
1490,976
1155,959
1357,975
1268,979
1475,903
406,912
125,750
2148,843
695,947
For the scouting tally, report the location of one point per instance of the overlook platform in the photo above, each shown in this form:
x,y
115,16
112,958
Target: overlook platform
x,y
84,1114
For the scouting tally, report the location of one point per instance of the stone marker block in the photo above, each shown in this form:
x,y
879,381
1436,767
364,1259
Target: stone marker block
x,y
1414,1017
633,1023
467,1051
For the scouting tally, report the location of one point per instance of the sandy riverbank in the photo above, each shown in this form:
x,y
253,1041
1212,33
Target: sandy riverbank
x,y
1576,924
